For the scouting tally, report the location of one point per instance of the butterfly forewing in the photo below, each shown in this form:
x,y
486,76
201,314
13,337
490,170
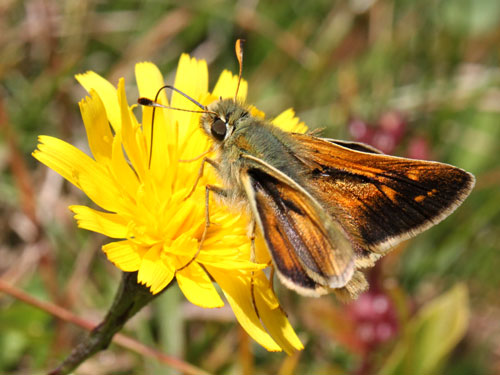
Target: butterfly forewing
x,y
384,199
288,265
302,239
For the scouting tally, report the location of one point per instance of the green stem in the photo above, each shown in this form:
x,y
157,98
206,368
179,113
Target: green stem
x,y
129,299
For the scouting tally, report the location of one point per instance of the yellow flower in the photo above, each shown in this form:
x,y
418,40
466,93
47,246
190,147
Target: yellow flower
x,y
144,203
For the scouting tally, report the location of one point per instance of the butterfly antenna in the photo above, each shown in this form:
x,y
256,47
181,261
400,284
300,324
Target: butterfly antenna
x,y
154,103
239,55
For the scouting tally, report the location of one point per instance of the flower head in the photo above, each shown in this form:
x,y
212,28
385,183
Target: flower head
x,y
145,201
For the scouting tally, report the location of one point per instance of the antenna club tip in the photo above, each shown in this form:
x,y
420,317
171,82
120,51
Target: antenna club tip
x,y
145,101
240,43
239,56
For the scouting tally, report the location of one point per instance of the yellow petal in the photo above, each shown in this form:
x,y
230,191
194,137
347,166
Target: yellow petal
x,y
256,112
192,79
273,317
185,246
149,81
96,123
107,93
197,287
186,217
111,225
195,144
125,178
237,289
226,86
288,122
153,272
81,170
229,257
231,264
262,254
124,254
136,154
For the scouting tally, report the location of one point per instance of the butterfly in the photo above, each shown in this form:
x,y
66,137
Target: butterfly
x,y
325,208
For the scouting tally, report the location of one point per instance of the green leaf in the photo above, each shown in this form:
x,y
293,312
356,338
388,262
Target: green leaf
x,y
431,335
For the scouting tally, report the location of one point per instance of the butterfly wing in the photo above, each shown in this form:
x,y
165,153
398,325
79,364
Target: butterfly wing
x,y
356,146
383,199
310,250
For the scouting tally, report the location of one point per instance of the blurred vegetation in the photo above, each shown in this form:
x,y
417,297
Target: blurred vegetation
x,y
416,78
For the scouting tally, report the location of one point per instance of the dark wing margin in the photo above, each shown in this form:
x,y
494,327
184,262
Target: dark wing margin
x,y
309,249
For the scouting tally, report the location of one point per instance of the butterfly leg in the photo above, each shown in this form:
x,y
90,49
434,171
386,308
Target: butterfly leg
x,y
197,157
253,258
251,235
200,173
271,276
216,190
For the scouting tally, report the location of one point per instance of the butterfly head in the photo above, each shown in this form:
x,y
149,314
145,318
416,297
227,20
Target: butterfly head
x,y
222,118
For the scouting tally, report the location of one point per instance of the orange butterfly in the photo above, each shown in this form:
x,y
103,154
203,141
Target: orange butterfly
x,y
326,208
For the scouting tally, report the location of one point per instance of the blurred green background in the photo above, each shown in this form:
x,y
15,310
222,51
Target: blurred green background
x,y
414,78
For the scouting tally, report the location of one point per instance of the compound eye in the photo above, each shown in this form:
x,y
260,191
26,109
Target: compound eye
x,y
218,129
